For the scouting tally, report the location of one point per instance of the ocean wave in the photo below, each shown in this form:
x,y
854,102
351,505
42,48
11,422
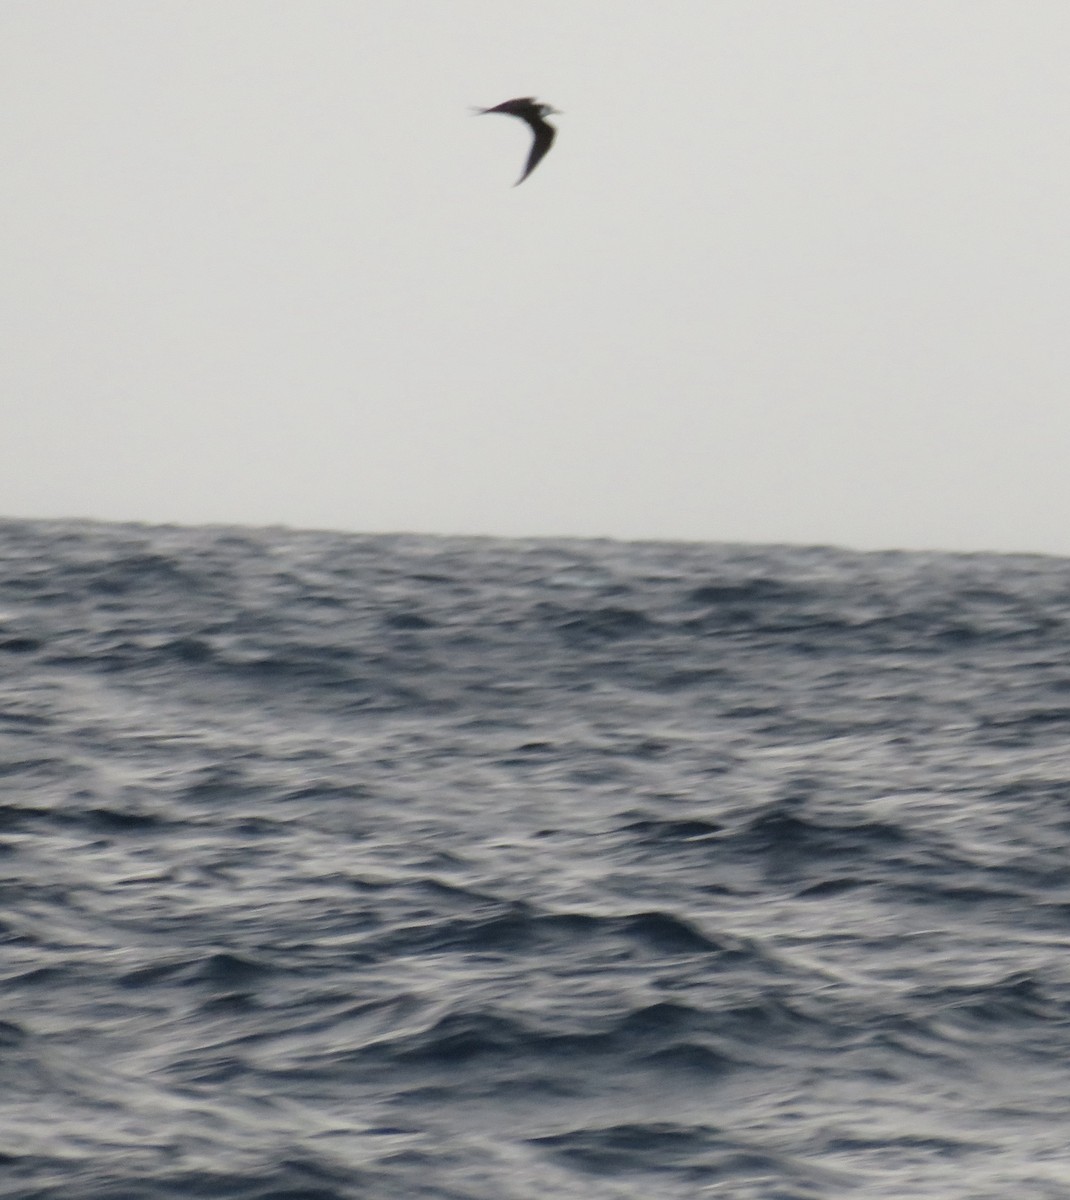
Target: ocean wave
x,y
359,867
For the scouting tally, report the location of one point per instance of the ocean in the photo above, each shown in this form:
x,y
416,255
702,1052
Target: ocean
x,y
348,867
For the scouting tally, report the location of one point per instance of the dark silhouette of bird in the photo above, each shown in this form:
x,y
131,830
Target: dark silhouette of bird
x,y
529,110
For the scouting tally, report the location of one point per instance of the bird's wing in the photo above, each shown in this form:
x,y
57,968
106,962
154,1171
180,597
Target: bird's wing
x,y
543,140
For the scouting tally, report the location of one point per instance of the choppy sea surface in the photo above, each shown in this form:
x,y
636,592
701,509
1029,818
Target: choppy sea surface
x,y
337,867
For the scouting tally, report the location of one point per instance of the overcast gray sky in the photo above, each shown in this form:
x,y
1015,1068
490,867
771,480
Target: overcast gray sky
x,y
792,272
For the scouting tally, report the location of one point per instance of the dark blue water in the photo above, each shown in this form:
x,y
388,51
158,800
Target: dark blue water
x,y
336,867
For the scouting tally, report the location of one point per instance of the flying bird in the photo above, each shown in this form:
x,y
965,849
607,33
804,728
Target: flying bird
x,y
529,110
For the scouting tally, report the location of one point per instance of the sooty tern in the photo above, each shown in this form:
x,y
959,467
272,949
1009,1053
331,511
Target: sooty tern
x,y
529,110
